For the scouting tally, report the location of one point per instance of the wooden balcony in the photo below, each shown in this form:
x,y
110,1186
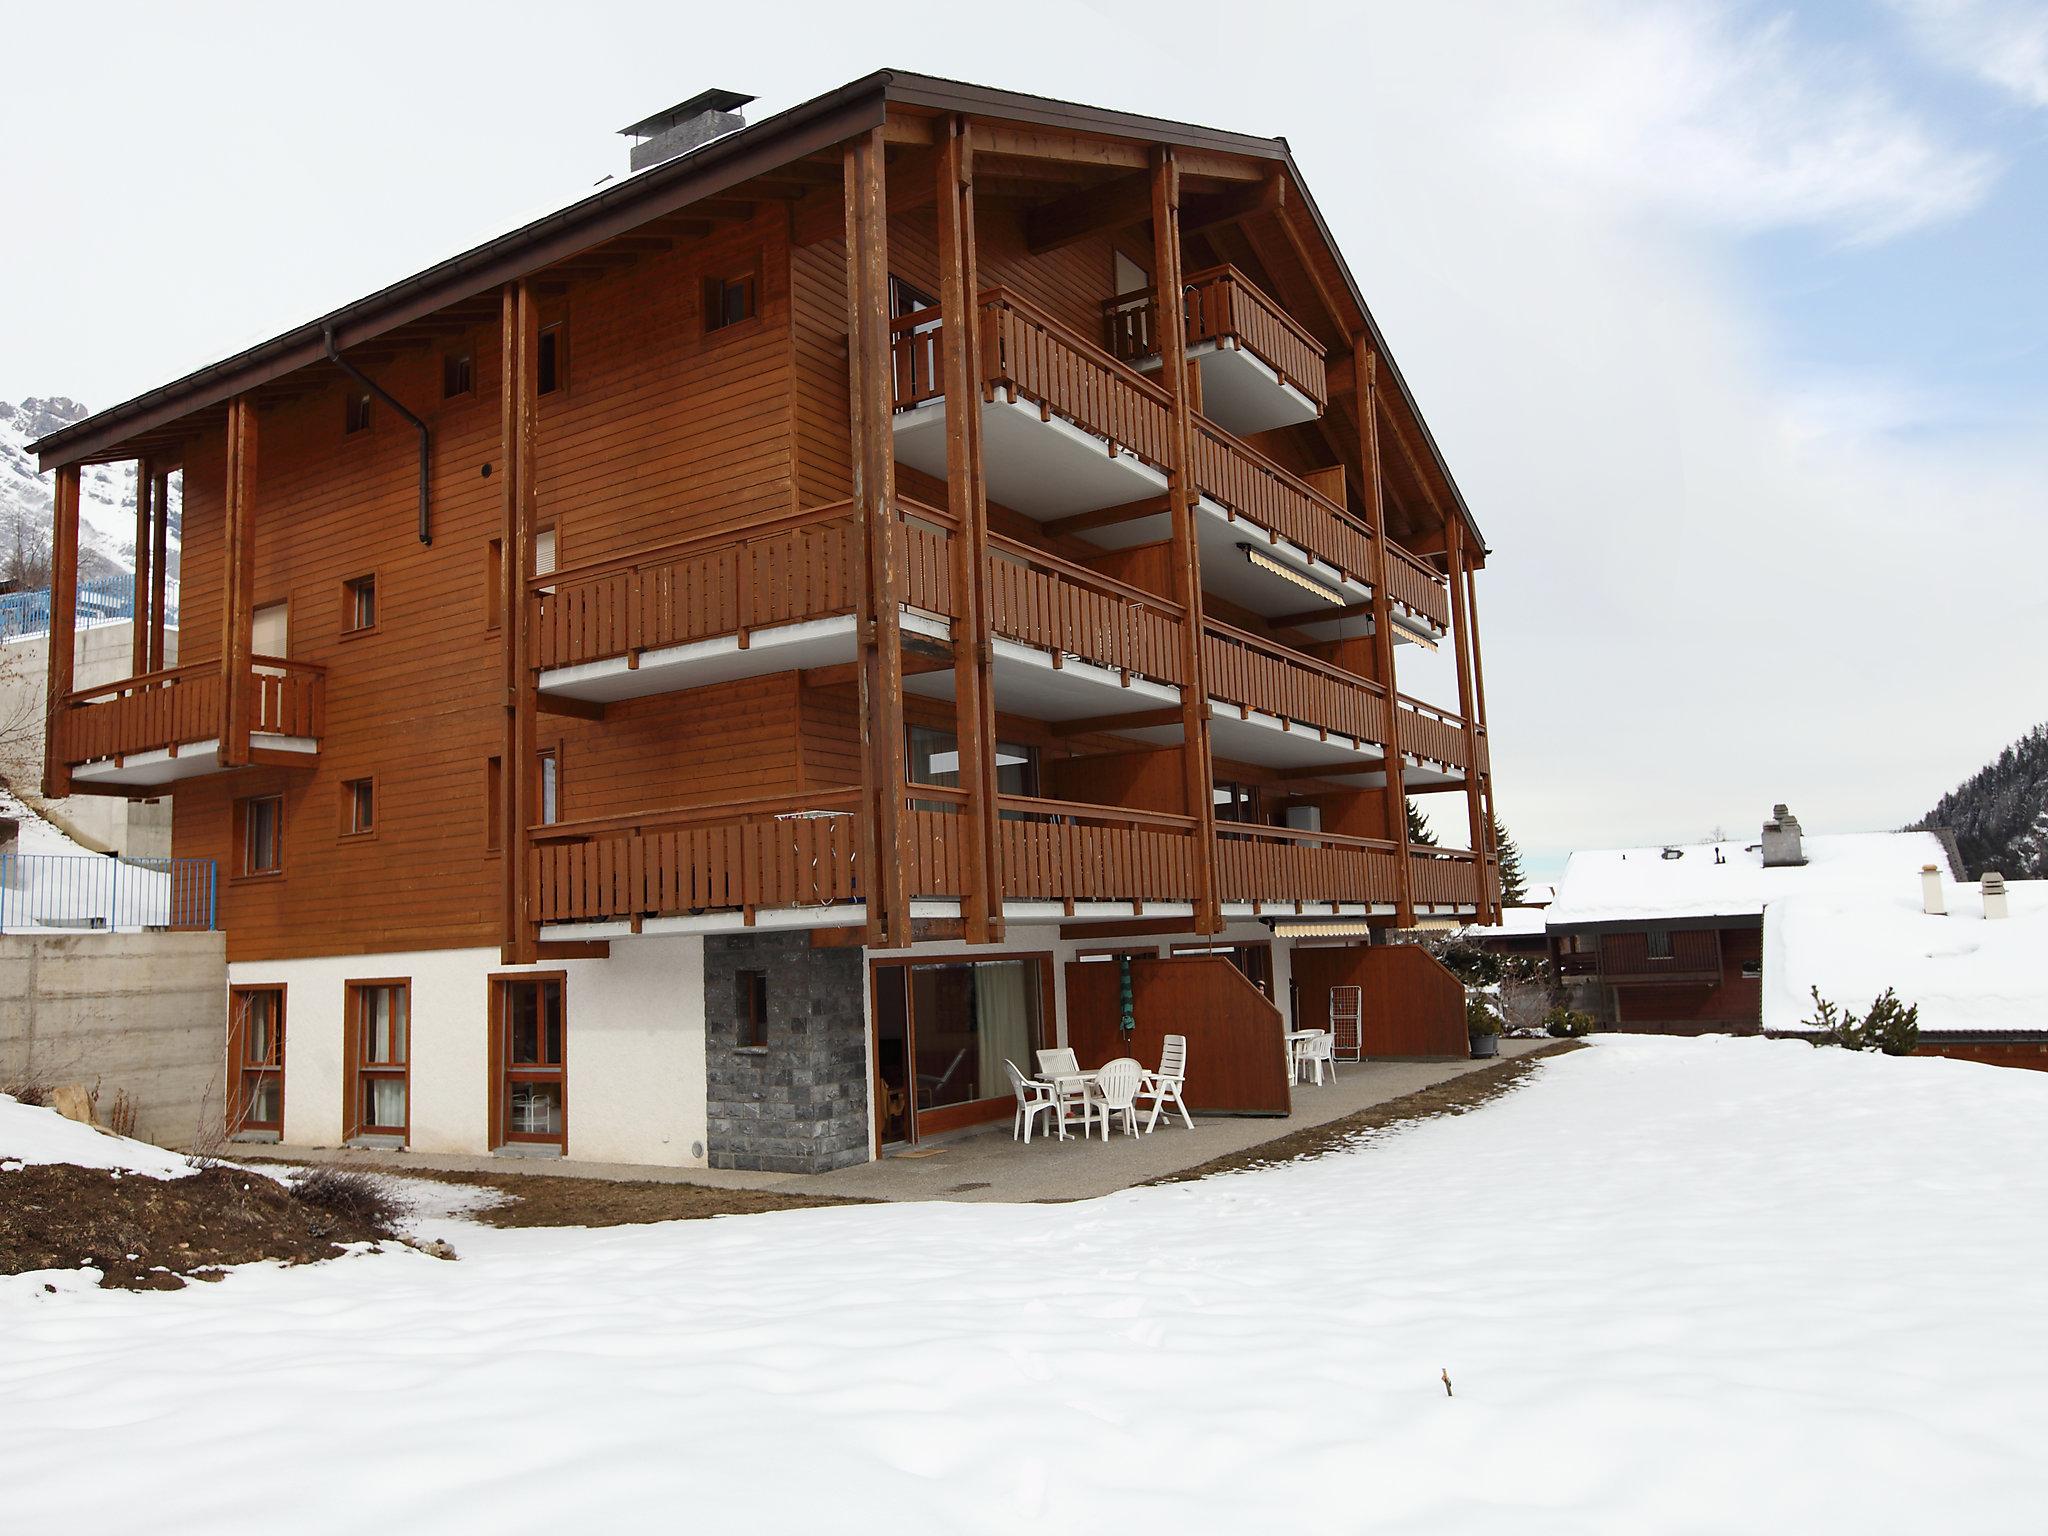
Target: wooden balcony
x,y
1420,596
1433,742
1440,877
1274,707
1275,868
1693,958
1063,857
1260,368
165,726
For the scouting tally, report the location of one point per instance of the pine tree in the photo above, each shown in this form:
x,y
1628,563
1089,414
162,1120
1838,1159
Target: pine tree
x,y
1418,829
1514,888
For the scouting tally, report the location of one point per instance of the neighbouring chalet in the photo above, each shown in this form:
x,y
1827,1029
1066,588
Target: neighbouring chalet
x,y
705,677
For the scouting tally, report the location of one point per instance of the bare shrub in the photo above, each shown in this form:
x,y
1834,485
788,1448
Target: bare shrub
x,y
122,1113
30,1088
350,1193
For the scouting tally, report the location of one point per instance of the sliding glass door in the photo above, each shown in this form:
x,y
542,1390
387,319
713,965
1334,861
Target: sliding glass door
x,y
943,1029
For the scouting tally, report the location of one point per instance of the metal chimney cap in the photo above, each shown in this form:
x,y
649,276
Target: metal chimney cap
x,y
683,111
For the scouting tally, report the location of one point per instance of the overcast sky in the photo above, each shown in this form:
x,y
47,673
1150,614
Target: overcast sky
x,y
1729,317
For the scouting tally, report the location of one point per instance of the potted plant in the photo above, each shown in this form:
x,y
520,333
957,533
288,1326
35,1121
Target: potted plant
x,y
1482,1026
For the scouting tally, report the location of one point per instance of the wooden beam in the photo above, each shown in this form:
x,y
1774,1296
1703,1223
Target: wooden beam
x,y
63,629
238,586
1130,720
145,543
573,949
159,566
577,709
1114,204
518,421
1394,800
1324,615
1461,635
839,673
878,602
1231,204
1104,517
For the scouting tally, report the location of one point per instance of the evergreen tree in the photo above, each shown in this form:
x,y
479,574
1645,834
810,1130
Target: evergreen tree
x,y
1418,829
2000,814
1514,888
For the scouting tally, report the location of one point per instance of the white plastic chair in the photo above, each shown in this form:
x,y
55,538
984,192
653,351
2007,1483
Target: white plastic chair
x,y
1162,1088
1319,1051
1116,1093
1033,1099
1061,1068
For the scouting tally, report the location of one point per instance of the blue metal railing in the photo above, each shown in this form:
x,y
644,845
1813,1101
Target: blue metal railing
x,y
44,892
99,602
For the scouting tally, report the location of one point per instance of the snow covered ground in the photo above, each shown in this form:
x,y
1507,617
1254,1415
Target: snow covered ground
x,y
1705,1285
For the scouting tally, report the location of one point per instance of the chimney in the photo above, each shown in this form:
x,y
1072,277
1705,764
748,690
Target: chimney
x,y
1781,840
685,126
1932,902
1994,894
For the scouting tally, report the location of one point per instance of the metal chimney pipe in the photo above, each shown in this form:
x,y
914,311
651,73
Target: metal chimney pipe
x,y
1932,902
1994,894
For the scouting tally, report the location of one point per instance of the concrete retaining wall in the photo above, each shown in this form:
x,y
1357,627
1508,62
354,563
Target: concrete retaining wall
x,y
143,1013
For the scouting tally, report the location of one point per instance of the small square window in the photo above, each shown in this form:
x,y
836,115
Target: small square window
x,y
356,415
551,366
752,1008
262,835
727,301
358,807
458,374
1658,941
547,787
359,603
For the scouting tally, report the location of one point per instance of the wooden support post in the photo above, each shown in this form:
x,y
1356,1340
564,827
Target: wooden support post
x,y
63,629
159,570
1461,630
145,524
518,413
878,606
1170,328
1365,365
238,585
974,711
1485,775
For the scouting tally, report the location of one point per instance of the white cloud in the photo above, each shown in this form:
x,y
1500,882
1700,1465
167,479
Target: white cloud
x,y
2004,42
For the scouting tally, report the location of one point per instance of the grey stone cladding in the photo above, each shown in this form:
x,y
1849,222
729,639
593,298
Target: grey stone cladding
x,y
799,1104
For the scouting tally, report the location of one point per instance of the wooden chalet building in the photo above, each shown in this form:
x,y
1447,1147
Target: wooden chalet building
x,y
639,713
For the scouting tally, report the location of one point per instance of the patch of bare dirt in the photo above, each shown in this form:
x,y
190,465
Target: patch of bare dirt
x,y
1457,1096
147,1234
547,1200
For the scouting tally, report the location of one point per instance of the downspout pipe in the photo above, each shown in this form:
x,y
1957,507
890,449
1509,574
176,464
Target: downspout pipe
x,y
426,442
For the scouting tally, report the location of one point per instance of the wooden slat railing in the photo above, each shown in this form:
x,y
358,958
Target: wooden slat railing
x,y
784,851
1247,484
1281,866
1433,733
1222,305
1060,850
1255,674
159,710
1042,600
1443,877
1417,587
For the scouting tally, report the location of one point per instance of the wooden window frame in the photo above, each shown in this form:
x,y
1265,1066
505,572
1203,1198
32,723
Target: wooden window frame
x,y
500,1103
953,1117
463,356
238,1072
353,1073
751,1009
349,830
1652,937
714,287
546,752
494,804
351,590
553,332
358,411
241,830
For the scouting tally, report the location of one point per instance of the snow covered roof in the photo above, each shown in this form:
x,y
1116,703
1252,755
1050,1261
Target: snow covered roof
x,y
1967,974
1515,923
1709,880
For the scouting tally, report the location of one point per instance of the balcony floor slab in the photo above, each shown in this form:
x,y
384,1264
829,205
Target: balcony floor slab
x,y
720,659
1045,468
189,760
1240,393
1027,683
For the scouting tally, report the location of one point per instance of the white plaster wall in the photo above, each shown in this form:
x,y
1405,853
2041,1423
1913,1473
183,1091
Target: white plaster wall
x,y
634,1048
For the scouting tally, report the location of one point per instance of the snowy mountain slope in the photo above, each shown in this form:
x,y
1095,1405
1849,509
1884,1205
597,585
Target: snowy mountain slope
x,y
2000,813
106,503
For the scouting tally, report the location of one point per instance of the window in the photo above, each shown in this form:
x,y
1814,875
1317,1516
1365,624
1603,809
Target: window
x,y
942,1031
494,583
1752,970
358,807
270,630
752,1009
356,412
547,787
1236,802
378,1044
262,827
256,1059
727,301
935,759
552,366
908,299
544,554
359,604
494,804
1658,943
529,1082
458,374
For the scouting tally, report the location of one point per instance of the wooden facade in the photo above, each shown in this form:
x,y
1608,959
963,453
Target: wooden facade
x,y
667,435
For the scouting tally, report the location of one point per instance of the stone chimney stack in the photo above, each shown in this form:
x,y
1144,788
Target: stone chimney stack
x,y
685,126
1781,840
1994,894
1932,902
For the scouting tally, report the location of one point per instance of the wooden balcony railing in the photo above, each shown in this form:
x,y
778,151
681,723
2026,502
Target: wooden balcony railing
x,y
1045,601
776,852
1417,587
1060,850
1247,484
1222,305
1255,674
159,710
1277,865
1443,877
1432,733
